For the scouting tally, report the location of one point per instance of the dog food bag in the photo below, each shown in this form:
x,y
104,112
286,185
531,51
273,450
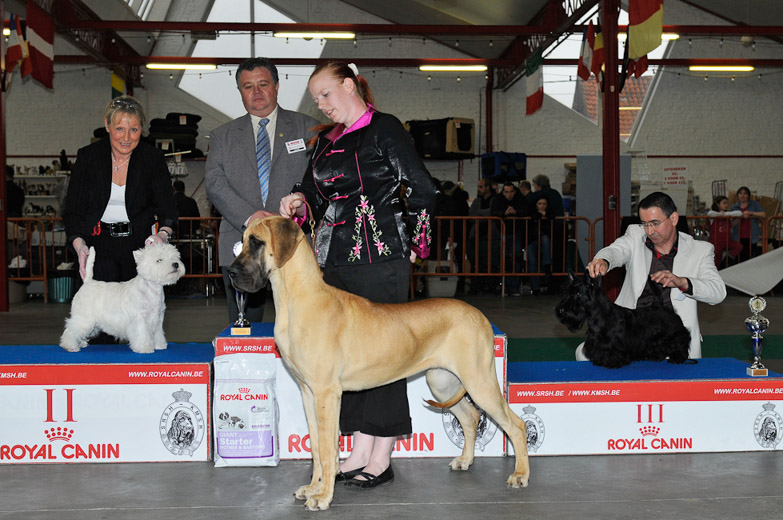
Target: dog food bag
x,y
245,411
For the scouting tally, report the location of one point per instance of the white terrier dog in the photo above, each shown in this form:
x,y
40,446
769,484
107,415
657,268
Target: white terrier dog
x,y
131,310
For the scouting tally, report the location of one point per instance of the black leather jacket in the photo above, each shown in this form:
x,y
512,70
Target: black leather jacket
x,y
353,185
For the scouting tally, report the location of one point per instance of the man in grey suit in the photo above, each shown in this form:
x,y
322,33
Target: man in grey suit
x,y
232,173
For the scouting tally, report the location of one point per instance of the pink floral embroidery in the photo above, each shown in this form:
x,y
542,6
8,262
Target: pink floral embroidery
x,y
421,234
365,209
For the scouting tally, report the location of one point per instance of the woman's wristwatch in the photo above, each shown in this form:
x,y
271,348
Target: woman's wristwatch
x,y
168,235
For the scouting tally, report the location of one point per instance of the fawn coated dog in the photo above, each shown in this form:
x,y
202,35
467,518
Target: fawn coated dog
x,y
319,332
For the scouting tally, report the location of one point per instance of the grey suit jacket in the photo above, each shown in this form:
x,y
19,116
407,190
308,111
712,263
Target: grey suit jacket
x,y
231,177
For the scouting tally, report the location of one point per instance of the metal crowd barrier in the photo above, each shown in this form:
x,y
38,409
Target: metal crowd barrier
x,y
500,248
37,250
474,247
702,229
36,247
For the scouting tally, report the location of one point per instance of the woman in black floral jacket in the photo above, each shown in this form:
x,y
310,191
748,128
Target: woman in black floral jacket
x,y
354,185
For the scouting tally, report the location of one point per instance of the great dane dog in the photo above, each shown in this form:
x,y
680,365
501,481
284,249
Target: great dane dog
x,y
319,331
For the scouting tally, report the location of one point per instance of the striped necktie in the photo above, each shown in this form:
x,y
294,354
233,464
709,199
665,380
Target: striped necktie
x,y
264,158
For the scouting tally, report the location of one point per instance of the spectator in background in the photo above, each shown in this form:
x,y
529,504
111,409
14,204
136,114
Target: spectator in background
x,y
451,202
541,185
527,191
555,208
539,246
512,204
14,195
719,231
485,191
748,229
186,207
482,231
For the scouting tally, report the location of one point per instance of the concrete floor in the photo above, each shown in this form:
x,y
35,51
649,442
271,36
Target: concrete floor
x,y
692,486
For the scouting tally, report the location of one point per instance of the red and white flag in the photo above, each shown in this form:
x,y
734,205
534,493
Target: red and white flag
x,y
40,35
534,80
16,53
586,53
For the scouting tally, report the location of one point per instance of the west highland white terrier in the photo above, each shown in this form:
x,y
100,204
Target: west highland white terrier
x,y
131,310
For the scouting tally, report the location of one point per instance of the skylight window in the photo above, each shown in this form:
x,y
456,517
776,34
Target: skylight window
x,y
218,89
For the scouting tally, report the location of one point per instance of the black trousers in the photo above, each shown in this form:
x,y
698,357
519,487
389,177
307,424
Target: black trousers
x,y
114,255
114,263
381,411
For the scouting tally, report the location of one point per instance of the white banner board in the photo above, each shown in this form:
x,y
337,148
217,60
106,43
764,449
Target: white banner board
x,y
104,413
650,416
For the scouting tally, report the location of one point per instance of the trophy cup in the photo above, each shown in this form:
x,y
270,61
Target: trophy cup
x,y
757,324
241,327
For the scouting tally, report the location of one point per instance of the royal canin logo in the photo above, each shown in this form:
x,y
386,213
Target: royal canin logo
x,y
649,430
58,434
244,396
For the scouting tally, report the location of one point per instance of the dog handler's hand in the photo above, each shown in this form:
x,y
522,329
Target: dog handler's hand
x,y
258,215
669,279
598,267
154,239
291,205
82,252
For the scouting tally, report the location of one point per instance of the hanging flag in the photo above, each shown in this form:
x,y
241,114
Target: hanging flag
x,y
599,54
626,69
645,26
638,68
40,35
586,53
17,52
534,81
117,86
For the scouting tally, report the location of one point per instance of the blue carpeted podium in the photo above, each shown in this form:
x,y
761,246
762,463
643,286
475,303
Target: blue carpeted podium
x,y
576,408
104,404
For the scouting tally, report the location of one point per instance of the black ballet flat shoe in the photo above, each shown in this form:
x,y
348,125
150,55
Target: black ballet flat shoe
x,y
372,480
348,475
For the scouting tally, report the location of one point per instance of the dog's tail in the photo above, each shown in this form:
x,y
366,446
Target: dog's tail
x,y
451,402
90,264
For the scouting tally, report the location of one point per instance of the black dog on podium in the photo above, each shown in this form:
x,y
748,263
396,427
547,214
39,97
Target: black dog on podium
x,y
616,335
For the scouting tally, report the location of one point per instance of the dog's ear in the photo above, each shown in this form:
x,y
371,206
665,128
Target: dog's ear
x,y
285,236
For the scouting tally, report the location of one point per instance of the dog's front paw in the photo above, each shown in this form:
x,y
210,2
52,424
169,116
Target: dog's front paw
x,y
73,346
145,349
517,480
303,493
318,503
161,346
460,464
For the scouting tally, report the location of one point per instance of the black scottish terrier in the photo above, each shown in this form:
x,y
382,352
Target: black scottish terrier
x,y
616,335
